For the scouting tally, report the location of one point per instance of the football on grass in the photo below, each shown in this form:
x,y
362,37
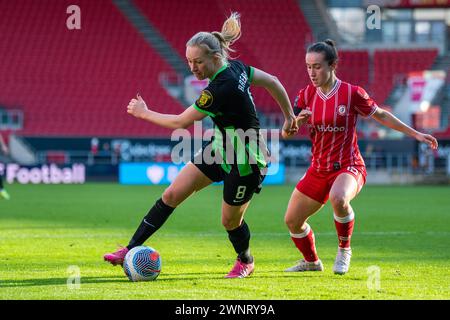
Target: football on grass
x,y
142,263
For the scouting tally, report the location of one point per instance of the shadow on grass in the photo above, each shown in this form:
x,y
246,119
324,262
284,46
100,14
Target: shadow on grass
x,y
108,279
58,281
200,276
167,277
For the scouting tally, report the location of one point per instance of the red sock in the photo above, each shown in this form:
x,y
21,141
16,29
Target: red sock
x,y
305,243
344,228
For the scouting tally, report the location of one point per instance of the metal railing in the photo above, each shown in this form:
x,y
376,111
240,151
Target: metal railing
x,y
85,157
393,163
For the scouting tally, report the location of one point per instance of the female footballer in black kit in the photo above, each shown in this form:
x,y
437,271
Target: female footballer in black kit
x,y
228,101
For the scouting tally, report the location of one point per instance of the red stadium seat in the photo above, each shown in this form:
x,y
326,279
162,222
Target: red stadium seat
x,y
78,82
392,65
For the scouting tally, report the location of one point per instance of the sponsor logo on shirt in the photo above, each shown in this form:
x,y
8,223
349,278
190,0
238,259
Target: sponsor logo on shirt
x,y
329,128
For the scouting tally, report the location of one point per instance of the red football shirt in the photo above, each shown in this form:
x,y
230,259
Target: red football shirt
x,y
332,126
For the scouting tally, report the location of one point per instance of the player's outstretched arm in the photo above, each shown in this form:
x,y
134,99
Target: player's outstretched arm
x,y
278,92
138,108
389,120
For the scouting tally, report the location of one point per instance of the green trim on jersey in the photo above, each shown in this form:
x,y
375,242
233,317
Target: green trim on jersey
x,y
218,146
244,169
250,77
203,111
219,71
242,159
241,153
257,154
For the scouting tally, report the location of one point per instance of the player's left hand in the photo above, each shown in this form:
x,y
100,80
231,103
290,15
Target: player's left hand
x,y
428,139
137,107
303,117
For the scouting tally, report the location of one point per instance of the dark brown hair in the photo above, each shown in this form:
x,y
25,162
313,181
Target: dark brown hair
x,y
328,48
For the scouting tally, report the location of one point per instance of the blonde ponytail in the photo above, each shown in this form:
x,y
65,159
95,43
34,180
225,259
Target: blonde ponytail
x,y
231,32
219,42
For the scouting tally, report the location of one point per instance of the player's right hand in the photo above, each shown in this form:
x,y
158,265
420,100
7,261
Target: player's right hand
x,y
290,127
137,107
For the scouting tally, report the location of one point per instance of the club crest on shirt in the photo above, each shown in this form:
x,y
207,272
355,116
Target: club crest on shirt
x,y
341,110
205,99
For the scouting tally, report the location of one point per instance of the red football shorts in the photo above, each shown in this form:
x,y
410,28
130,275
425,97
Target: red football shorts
x,y
317,185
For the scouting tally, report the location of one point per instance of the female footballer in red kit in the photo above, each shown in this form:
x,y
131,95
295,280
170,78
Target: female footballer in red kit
x,y
329,108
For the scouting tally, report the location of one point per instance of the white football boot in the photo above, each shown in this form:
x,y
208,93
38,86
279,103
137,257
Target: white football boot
x,y
304,265
342,262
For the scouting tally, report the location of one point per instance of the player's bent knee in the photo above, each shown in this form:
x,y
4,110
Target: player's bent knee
x,y
294,223
170,197
230,224
339,201
290,222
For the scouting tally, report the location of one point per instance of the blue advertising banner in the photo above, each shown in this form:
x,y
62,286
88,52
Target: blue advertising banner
x,y
154,173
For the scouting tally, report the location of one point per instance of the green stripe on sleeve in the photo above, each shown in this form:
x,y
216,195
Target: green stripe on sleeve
x,y
250,77
203,111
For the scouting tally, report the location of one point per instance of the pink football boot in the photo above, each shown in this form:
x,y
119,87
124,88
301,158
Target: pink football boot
x,y
117,257
241,270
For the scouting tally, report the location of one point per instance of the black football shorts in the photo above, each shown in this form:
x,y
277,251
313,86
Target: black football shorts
x,y
237,190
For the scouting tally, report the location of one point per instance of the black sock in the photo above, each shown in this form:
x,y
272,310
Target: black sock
x,y
240,238
1,182
155,218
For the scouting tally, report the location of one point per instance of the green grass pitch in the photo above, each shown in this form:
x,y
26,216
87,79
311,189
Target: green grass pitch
x,y
49,234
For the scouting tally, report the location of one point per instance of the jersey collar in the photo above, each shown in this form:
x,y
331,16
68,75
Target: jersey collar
x,y
331,92
219,71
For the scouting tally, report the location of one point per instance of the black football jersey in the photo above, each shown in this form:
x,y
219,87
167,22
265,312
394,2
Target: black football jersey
x,y
228,101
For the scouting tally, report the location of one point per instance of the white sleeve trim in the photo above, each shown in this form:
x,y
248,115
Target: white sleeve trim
x,y
370,114
373,111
